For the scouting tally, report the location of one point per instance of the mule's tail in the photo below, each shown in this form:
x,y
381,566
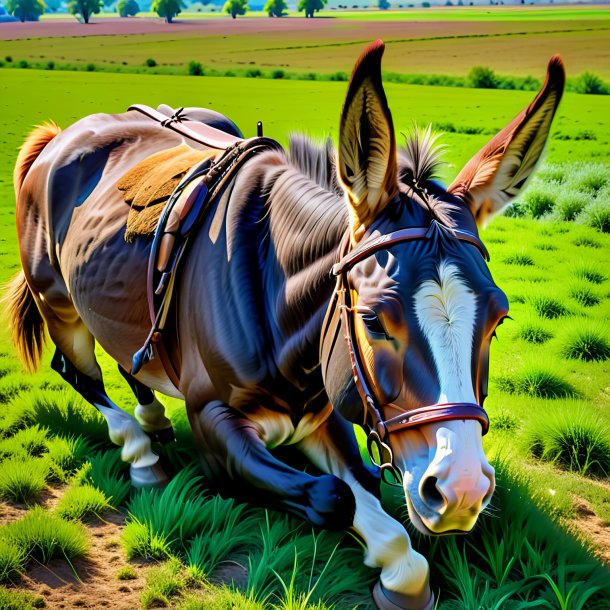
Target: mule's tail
x,y
26,324
32,147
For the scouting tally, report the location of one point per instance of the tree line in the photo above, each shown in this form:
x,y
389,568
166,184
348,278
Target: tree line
x,y
31,10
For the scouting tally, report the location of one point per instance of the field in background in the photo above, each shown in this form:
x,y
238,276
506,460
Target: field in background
x,y
418,43
512,548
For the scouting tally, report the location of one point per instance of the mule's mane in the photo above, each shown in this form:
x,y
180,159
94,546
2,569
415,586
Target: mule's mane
x,y
418,162
315,159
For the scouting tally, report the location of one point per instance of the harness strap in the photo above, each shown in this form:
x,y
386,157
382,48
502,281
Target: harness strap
x,y
378,428
170,242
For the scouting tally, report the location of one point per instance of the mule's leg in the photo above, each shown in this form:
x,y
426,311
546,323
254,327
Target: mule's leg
x,y
75,361
404,572
236,458
150,412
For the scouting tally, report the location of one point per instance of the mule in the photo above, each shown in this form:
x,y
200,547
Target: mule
x,y
321,290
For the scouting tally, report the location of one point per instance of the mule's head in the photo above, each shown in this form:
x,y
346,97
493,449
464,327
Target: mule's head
x,y
421,312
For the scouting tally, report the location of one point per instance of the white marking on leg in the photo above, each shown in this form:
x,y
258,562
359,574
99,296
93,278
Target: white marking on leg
x,y
152,416
403,570
125,431
446,313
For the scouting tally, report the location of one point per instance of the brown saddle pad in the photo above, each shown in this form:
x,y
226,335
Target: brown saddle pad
x,y
147,186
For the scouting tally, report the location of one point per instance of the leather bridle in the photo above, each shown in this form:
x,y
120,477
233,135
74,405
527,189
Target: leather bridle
x,y
340,313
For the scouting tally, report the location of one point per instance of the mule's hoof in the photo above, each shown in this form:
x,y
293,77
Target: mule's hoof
x,y
390,600
148,476
163,436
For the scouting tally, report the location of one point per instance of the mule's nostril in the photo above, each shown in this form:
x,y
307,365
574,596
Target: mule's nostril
x,y
431,495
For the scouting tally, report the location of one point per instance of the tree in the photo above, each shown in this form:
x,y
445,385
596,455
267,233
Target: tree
x,y
85,8
275,8
127,8
26,10
167,9
311,6
236,7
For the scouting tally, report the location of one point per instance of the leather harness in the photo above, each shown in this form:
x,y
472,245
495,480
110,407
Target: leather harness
x,y
171,240
341,314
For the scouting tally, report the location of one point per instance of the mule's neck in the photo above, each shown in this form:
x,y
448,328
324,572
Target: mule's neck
x,y
306,224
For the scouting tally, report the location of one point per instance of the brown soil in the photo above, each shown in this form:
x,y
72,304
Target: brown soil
x,y
592,529
92,581
343,29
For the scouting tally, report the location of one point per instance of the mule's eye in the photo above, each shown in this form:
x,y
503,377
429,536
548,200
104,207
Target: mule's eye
x,y
373,325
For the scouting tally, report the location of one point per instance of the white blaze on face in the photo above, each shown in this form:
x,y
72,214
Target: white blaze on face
x,y
446,313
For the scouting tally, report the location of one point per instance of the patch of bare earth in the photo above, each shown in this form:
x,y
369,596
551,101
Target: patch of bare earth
x,y
592,529
9,512
91,581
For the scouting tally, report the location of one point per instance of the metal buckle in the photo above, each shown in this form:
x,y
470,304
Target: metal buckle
x,y
384,460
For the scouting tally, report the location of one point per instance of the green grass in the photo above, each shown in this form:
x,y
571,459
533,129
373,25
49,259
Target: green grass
x,y
584,295
22,479
512,548
547,307
165,582
108,473
573,439
12,561
16,600
517,42
82,501
534,332
31,442
590,274
536,381
586,342
126,573
65,456
44,536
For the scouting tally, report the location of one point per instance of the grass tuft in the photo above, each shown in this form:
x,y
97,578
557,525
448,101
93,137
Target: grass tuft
x,y
505,421
17,600
140,541
574,439
106,471
525,260
547,307
570,203
176,513
536,381
587,343
81,501
597,215
30,441
12,561
227,528
44,535
21,479
126,573
590,274
534,332
584,295
539,201
65,456
165,582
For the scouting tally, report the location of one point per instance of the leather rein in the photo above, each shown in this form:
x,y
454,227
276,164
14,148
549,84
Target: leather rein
x,y
341,314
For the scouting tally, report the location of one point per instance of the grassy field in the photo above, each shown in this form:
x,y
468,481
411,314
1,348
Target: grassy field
x,y
556,275
512,43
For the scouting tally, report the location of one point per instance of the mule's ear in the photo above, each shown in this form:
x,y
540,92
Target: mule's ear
x,y
367,148
497,173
